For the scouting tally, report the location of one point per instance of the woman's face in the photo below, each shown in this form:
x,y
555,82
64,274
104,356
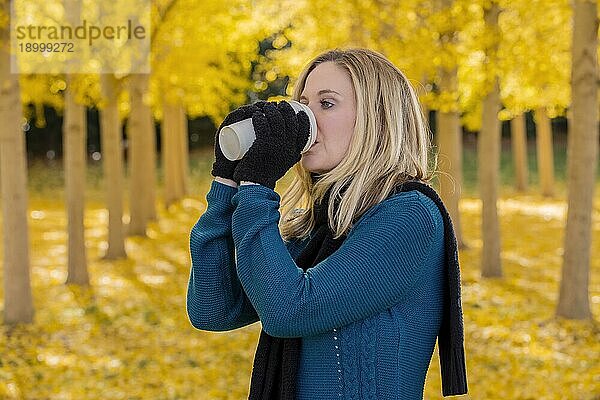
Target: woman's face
x,y
329,94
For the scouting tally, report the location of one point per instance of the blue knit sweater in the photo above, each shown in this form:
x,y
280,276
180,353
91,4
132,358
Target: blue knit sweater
x,y
368,315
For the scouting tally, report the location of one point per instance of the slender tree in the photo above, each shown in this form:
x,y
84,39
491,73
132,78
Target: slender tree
x,y
174,152
74,144
449,143
184,151
582,154
112,164
489,150
142,160
545,152
449,132
18,303
519,152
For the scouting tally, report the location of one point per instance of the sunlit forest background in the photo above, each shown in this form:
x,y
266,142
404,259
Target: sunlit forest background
x,y
103,177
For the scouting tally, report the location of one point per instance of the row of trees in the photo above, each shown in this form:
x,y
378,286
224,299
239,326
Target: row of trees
x,y
470,56
190,63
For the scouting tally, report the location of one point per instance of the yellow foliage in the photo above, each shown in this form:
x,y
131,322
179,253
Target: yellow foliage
x,y
202,56
535,59
202,52
128,336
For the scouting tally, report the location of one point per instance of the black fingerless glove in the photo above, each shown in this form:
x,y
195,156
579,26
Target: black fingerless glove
x,y
281,134
222,166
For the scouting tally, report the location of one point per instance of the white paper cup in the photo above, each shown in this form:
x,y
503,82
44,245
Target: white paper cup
x,y
236,139
297,106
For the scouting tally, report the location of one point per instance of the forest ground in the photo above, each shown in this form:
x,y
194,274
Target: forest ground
x,y
128,336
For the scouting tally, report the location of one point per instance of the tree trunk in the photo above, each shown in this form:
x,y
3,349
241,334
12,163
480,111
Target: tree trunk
x,y
545,152
174,153
112,164
519,151
166,133
142,165
170,154
74,139
582,154
449,141
184,150
449,132
18,303
488,153
74,134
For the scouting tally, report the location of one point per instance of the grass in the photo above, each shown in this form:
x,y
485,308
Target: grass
x,y
507,172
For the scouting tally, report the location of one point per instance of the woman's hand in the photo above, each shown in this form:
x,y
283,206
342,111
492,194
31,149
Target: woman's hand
x,y
223,167
281,134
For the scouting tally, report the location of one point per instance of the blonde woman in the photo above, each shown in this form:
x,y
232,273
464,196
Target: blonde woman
x,y
354,274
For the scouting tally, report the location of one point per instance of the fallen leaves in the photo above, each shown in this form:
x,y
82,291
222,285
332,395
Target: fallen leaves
x,y
128,337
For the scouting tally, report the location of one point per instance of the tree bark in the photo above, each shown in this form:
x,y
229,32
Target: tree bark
x,y
74,139
488,167
18,302
174,153
74,134
519,151
142,161
545,152
582,154
488,152
184,151
112,164
448,129
449,141
170,154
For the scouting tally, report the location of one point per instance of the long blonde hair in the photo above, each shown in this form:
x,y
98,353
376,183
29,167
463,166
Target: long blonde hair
x,y
389,145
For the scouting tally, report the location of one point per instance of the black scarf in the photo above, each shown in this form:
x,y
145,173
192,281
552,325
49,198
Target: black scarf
x,y
276,360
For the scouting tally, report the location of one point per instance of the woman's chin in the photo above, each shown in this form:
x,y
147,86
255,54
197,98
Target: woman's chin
x,y
315,170
312,163
306,163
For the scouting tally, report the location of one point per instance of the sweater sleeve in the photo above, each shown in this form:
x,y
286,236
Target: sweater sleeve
x,y
215,299
378,264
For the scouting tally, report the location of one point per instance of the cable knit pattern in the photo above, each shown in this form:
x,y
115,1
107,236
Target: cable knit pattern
x,y
350,366
368,336
391,264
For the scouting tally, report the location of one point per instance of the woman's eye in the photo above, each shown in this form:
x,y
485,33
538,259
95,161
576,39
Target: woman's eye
x,y
325,104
